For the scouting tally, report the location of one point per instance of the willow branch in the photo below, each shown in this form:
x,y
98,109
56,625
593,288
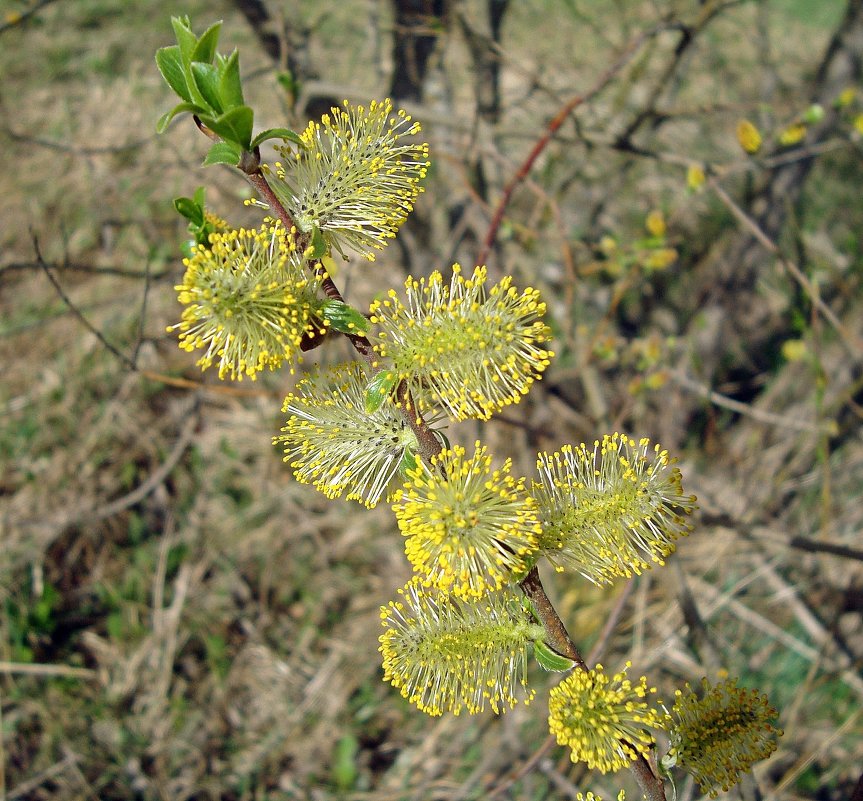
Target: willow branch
x,y
556,634
429,445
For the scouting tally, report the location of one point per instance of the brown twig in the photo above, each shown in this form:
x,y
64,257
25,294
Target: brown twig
x,y
46,670
129,363
73,267
551,129
16,20
595,655
557,636
611,622
745,409
834,548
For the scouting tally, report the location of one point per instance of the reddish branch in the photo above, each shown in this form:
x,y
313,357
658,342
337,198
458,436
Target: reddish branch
x,y
551,129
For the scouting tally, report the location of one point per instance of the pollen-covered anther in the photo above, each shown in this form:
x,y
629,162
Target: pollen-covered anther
x,y
357,177
454,655
603,720
719,735
460,345
611,509
332,442
249,301
469,529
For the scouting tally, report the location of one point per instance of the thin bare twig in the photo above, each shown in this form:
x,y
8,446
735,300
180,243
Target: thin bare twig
x,y
143,314
851,342
834,548
76,150
25,789
610,623
73,267
745,409
17,20
74,309
46,670
551,129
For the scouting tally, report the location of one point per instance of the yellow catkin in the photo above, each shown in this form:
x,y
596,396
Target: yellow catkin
x,y
602,720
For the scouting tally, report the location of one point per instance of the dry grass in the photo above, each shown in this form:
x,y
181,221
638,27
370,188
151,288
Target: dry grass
x,y
181,620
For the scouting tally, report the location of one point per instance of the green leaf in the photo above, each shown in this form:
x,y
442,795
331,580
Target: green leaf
x,y
205,49
198,197
187,248
814,114
409,462
278,133
443,439
379,389
186,39
191,210
230,88
207,80
551,660
234,125
224,153
180,108
343,318
170,64
318,244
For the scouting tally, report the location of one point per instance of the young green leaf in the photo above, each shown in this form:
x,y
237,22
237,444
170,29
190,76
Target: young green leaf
x,y
318,244
379,389
551,660
170,64
207,80
205,49
289,83
180,108
409,462
230,88
192,211
186,39
343,318
224,153
278,133
234,125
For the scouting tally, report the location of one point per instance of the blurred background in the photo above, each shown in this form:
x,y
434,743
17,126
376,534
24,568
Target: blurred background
x,y
180,619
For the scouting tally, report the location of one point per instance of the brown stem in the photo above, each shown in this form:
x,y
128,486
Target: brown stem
x,y
651,785
555,631
429,444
